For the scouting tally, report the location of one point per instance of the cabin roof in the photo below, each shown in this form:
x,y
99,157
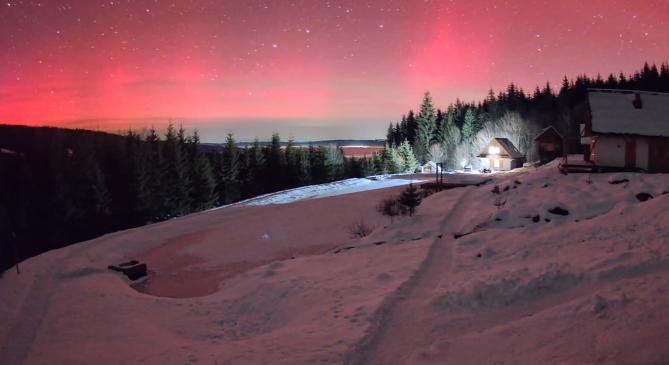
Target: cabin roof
x,y
615,112
548,133
507,149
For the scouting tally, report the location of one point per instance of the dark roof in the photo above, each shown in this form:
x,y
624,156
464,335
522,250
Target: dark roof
x,y
507,148
629,112
547,133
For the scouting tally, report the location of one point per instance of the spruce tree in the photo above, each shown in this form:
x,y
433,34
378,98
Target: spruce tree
x,y
470,125
390,134
175,175
426,122
398,133
155,188
292,165
406,154
404,131
319,173
203,185
230,171
412,128
276,163
255,167
410,198
375,165
138,180
392,162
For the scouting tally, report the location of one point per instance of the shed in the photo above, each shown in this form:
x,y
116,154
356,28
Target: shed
x,y
430,167
501,155
550,144
627,129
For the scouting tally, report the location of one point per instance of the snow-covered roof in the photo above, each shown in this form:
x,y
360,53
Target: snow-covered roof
x,y
507,148
614,111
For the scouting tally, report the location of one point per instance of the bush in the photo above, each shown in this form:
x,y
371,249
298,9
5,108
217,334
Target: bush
x,y
360,229
392,208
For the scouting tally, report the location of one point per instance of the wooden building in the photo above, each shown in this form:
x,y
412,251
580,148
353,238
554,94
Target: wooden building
x,y
430,167
501,155
627,130
550,144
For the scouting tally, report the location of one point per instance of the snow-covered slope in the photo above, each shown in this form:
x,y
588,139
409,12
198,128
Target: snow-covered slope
x,y
342,187
475,277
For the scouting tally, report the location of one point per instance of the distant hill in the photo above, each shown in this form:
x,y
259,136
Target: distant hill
x,y
212,147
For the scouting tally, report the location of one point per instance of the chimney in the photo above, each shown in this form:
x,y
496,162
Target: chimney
x,y
638,104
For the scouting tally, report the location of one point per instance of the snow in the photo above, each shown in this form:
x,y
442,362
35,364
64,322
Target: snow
x,y
341,187
613,112
255,284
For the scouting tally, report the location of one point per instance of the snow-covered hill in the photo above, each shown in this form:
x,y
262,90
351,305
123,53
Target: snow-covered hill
x,y
475,277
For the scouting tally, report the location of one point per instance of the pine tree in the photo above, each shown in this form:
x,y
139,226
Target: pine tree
x,y
319,173
155,189
255,167
398,133
412,128
407,156
391,160
292,165
404,131
469,126
440,124
426,124
390,134
139,194
410,198
230,171
375,165
203,185
175,175
276,163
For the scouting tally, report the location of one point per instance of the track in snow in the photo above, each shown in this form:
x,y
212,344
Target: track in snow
x,y
395,331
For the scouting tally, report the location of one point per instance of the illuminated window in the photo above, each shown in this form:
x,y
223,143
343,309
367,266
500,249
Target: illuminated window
x,y
493,150
496,162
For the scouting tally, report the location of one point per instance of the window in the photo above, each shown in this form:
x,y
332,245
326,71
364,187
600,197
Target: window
x,y
496,162
493,150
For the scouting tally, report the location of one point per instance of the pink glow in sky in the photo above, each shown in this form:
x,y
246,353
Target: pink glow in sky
x,y
310,69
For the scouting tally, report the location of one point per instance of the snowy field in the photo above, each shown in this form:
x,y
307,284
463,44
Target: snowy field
x,y
341,187
534,267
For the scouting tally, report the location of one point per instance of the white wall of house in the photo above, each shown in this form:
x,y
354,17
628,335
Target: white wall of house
x,y
610,151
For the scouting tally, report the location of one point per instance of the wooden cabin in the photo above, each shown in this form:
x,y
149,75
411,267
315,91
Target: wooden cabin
x,y
627,130
501,155
550,144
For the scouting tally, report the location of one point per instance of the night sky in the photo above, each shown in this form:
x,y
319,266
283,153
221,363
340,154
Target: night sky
x,y
310,69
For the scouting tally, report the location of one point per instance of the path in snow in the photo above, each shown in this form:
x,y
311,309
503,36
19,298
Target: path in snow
x,y
20,338
396,330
